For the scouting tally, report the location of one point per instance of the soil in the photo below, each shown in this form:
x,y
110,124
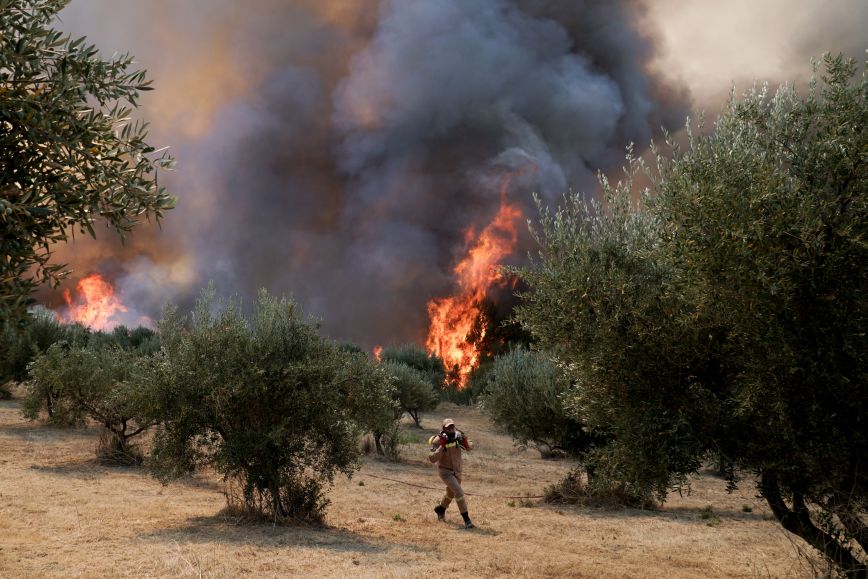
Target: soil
x,y
62,514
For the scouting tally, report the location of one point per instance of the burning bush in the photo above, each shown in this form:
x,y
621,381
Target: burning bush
x,y
269,403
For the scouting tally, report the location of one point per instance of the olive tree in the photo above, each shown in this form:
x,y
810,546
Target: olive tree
x,y
265,400
92,382
22,346
726,313
414,392
604,304
18,345
767,218
70,151
524,395
429,365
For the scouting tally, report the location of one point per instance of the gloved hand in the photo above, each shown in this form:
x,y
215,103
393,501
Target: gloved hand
x,y
442,440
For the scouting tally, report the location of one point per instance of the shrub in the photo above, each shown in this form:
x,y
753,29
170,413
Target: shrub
x,y
91,382
21,343
523,395
428,365
414,393
265,400
577,489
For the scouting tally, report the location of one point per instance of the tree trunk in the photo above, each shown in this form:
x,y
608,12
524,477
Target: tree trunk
x,y
279,511
379,443
414,414
854,525
798,521
721,465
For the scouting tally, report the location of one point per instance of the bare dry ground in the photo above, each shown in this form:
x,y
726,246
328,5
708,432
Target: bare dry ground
x,y
63,515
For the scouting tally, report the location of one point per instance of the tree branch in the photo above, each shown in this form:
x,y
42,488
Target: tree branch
x,y
798,522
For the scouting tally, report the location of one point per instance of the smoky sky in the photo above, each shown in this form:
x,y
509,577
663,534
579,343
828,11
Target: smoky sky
x,y
338,151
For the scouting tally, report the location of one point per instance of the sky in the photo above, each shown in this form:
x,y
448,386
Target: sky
x,y
339,151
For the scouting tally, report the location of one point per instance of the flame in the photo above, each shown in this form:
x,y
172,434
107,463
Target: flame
x,y
95,304
378,353
452,319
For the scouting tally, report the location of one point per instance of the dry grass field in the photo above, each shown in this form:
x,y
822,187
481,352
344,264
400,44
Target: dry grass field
x,y
63,515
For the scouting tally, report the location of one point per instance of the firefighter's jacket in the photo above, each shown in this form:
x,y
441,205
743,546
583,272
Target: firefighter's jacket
x,y
448,456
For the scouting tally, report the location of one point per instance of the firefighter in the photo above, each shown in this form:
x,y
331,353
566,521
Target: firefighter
x,y
446,450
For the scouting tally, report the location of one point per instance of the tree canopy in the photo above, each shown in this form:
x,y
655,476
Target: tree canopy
x,y
726,312
524,395
413,390
71,152
265,400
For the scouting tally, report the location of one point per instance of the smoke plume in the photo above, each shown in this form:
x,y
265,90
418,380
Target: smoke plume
x,y
339,150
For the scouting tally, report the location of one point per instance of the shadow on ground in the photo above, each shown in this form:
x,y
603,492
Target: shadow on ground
x,y
674,513
38,431
91,468
225,529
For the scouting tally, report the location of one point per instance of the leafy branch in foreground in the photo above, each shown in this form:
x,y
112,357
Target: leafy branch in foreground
x,y
70,150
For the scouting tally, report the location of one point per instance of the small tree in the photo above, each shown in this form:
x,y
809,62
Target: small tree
x,y
70,152
94,383
429,365
414,391
524,397
19,344
44,330
265,400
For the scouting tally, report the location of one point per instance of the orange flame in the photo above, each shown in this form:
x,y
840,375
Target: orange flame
x,y
378,353
452,318
95,304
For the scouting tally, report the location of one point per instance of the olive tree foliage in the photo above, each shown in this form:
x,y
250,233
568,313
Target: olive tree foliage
x,y
768,219
70,151
20,345
603,303
524,396
727,312
429,365
94,382
142,340
44,330
413,390
263,399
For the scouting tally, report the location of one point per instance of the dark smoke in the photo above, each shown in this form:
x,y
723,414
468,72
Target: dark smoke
x,y
354,192
349,172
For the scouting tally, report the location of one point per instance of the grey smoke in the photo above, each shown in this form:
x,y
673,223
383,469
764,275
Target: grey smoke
x,y
347,176
363,218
